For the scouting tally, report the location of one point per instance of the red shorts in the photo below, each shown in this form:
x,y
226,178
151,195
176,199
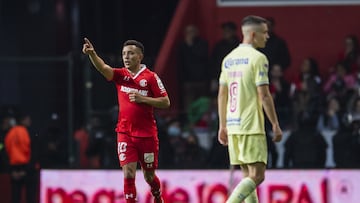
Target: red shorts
x,y
144,150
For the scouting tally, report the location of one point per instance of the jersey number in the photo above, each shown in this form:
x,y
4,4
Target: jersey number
x,y
233,96
121,147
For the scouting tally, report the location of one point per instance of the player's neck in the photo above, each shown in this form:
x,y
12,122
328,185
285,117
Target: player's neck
x,y
249,42
134,70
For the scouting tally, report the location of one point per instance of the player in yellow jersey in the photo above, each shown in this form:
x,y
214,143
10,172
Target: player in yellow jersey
x,y
242,97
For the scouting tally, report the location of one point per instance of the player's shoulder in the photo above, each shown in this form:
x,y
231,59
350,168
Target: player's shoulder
x,y
255,52
148,72
258,55
120,69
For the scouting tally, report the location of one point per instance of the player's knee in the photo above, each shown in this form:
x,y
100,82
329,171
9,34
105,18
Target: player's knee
x,y
129,172
258,178
149,176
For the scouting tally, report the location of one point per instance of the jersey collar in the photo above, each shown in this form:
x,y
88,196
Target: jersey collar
x,y
245,45
143,67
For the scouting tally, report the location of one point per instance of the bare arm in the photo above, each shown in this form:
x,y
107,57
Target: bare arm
x,y
222,105
269,108
99,64
158,102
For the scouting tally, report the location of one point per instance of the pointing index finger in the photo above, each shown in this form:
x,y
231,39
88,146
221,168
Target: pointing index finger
x,y
87,41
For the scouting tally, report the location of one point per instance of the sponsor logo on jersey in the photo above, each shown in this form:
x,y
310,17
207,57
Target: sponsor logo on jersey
x,y
238,61
235,74
160,84
130,89
233,121
143,83
262,73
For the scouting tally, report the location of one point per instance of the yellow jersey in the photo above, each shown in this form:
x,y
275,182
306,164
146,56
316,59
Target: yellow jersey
x,y
243,69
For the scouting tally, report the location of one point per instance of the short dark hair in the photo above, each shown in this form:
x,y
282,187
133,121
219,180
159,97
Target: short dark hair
x,y
136,43
253,20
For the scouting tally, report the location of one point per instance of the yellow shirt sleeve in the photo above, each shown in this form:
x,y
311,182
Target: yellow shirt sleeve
x,y
261,71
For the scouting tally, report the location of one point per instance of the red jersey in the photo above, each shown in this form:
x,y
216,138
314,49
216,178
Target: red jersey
x,y
137,119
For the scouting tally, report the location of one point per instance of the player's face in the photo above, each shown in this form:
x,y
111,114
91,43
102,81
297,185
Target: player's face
x,y
261,35
131,56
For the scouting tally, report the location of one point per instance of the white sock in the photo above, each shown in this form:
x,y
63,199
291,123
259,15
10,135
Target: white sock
x,y
252,198
242,190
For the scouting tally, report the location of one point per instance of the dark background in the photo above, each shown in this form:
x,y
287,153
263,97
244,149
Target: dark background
x,y
56,28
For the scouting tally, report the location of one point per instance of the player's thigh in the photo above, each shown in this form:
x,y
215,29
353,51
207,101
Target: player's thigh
x,y
129,169
127,151
244,170
234,150
148,149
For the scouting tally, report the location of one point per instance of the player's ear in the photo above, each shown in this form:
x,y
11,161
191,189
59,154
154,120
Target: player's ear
x,y
253,33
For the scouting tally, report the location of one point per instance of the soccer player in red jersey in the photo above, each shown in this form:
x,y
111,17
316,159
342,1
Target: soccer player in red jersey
x,y
139,90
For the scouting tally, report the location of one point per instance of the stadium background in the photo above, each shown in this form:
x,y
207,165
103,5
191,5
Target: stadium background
x,y
43,71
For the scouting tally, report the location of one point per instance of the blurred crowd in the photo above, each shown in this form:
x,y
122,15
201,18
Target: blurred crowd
x,y
319,112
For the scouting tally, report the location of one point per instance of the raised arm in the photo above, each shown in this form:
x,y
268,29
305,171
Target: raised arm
x,y
269,108
99,64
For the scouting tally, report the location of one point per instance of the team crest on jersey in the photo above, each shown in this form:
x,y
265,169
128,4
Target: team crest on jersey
x,y
143,83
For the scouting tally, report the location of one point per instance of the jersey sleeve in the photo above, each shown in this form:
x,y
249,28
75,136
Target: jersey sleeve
x,y
261,71
118,75
157,87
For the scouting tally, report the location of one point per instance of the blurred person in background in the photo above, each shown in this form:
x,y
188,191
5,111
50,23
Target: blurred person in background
x,y
139,91
6,122
18,144
195,155
276,49
53,146
307,94
94,151
193,68
341,83
305,147
81,136
177,142
200,121
330,117
351,54
243,98
308,76
346,144
166,150
280,91
328,124
227,43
